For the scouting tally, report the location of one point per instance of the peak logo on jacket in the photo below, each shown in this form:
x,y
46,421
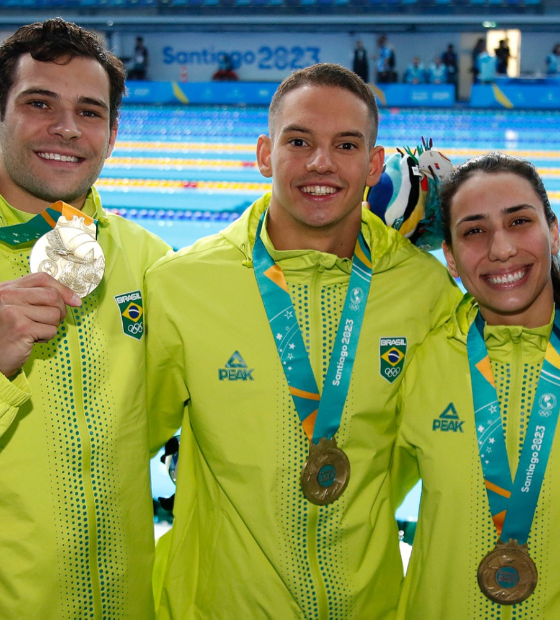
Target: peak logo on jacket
x,y
236,369
132,313
448,421
392,353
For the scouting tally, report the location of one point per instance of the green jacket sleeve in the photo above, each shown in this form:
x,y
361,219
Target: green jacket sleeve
x,y
13,393
168,394
404,472
446,303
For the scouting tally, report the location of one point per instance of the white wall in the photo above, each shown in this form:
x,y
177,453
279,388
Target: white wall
x,y
535,47
425,45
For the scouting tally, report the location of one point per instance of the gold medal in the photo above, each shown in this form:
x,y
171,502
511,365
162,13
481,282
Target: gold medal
x,y
70,253
326,472
507,575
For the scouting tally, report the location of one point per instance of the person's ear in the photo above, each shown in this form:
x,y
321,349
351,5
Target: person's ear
x,y
376,161
112,139
450,259
264,152
555,238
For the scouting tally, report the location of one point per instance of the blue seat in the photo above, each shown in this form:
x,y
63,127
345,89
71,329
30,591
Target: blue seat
x,y
23,3
67,4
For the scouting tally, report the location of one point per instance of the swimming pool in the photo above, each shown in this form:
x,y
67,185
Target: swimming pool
x,y
187,171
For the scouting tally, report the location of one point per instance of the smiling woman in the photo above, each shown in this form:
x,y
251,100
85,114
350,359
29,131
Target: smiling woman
x,y
500,237
490,479
501,242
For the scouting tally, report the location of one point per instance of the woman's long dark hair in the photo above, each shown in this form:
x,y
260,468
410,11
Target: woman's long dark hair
x,y
494,163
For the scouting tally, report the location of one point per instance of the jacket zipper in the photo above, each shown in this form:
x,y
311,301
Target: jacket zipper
x,y
316,354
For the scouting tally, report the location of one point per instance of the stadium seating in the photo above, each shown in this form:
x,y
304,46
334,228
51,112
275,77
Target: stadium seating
x,y
287,6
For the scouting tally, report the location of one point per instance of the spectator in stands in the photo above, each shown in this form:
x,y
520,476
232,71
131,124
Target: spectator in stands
x,y
76,517
553,61
225,72
437,73
140,61
385,61
449,59
477,50
415,72
486,66
360,64
502,55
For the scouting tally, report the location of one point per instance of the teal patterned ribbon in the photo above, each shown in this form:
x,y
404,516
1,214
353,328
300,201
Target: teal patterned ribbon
x,y
513,503
320,415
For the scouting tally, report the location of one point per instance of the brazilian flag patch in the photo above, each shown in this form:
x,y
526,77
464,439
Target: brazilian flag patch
x,y
392,353
132,313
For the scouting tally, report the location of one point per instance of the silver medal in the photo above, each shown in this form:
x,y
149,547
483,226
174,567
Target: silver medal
x,y
71,254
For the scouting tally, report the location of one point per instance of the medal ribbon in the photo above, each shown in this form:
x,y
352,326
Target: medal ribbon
x,y
40,224
513,503
320,415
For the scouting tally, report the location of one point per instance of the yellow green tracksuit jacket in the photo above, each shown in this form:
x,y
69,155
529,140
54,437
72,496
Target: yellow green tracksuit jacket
x,y
437,442
246,543
76,519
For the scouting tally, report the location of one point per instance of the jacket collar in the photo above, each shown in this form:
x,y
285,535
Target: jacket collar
x,y
10,215
497,337
388,247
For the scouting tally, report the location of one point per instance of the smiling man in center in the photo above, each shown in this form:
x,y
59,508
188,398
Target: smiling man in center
x,y
314,308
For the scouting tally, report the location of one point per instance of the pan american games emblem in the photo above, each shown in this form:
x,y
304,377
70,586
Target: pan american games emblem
x,y
132,314
392,353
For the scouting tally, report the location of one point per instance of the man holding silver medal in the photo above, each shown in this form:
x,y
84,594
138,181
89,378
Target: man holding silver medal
x,y
76,527
279,345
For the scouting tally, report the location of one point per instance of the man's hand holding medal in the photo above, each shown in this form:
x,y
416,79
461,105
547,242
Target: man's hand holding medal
x,y
66,264
31,309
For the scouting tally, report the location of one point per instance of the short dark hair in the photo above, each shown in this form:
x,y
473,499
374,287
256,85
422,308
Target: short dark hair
x,y
325,74
56,40
495,163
